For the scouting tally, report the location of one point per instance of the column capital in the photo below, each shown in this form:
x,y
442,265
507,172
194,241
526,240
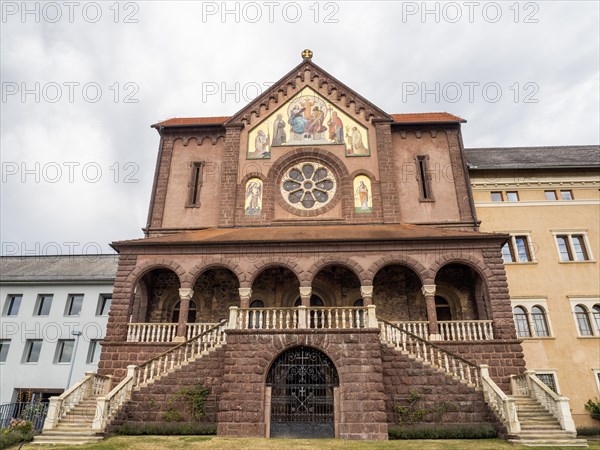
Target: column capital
x,y
186,293
245,293
305,291
366,291
428,289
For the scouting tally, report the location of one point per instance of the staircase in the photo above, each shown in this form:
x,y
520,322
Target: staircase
x,y
539,427
75,427
83,412
533,416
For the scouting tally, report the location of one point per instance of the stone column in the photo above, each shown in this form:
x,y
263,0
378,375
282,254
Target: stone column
x,y
305,294
429,294
366,292
185,294
245,294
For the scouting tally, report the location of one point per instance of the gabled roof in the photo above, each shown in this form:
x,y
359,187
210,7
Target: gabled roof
x,y
81,268
299,72
409,118
573,156
318,234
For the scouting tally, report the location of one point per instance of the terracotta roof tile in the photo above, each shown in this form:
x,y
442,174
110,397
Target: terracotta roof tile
x,y
191,121
399,118
316,233
427,117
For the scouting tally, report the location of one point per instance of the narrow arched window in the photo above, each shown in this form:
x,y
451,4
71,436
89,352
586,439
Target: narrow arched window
x,y
521,322
596,315
540,322
583,321
191,312
442,309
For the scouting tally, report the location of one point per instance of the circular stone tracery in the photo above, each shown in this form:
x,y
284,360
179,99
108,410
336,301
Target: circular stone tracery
x,y
308,186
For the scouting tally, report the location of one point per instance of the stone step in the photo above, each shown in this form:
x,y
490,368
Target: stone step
x,y
75,424
65,438
549,442
58,432
541,427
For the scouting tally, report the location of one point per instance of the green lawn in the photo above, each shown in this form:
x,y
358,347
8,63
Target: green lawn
x,y
213,443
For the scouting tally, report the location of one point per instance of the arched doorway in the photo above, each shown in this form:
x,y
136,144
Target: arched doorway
x,y
302,382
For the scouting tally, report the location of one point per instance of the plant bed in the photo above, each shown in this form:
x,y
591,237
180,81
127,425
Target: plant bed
x,y
443,431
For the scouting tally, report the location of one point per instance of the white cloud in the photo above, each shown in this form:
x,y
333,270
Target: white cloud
x,y
171,54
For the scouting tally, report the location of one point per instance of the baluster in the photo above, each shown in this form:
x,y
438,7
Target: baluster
x,y
453,370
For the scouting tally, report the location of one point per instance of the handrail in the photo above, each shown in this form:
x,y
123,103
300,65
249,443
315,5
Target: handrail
x,y
530,385
503,406
223,322
109,405
429,343
91,384
457,366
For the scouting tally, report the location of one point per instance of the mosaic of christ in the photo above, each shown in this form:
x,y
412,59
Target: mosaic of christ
x,y
307,119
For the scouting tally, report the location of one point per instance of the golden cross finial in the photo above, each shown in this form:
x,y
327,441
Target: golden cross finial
x,y
307,54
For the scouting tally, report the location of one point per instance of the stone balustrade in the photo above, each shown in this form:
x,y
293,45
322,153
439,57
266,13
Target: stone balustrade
x,y
162,332
302,317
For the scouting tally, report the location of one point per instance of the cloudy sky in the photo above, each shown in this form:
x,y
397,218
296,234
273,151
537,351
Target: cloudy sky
x,y
83,81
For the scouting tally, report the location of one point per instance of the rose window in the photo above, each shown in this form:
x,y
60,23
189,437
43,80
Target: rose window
x,y
308,186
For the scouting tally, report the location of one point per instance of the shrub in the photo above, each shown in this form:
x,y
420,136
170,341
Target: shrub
x,y
594,408
466,431
588,431
9,438
161,429
20,425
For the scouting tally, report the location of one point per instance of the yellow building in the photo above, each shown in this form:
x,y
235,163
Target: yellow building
x,y
548,200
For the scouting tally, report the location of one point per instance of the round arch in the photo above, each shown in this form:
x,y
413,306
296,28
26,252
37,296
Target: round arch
x,y
323,263
275,262
406,261
301,383
216,263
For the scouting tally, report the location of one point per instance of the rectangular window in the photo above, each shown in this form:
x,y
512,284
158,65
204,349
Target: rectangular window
x,y
94,352
518,249
12,305
195,184
548,379
4,346
572,247
64,350
507,253
497,197
522,325
579,248
512,196
43,305
522,248
104,302
550,195
566,195
33,347
563,248
423,177
74,304
597,376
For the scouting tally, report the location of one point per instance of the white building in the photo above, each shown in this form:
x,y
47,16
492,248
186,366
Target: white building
x,y
54,311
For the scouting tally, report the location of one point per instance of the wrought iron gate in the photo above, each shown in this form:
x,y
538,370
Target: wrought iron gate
x,y
302,405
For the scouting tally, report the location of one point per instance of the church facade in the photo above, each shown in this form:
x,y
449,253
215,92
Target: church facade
x,y
315,262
